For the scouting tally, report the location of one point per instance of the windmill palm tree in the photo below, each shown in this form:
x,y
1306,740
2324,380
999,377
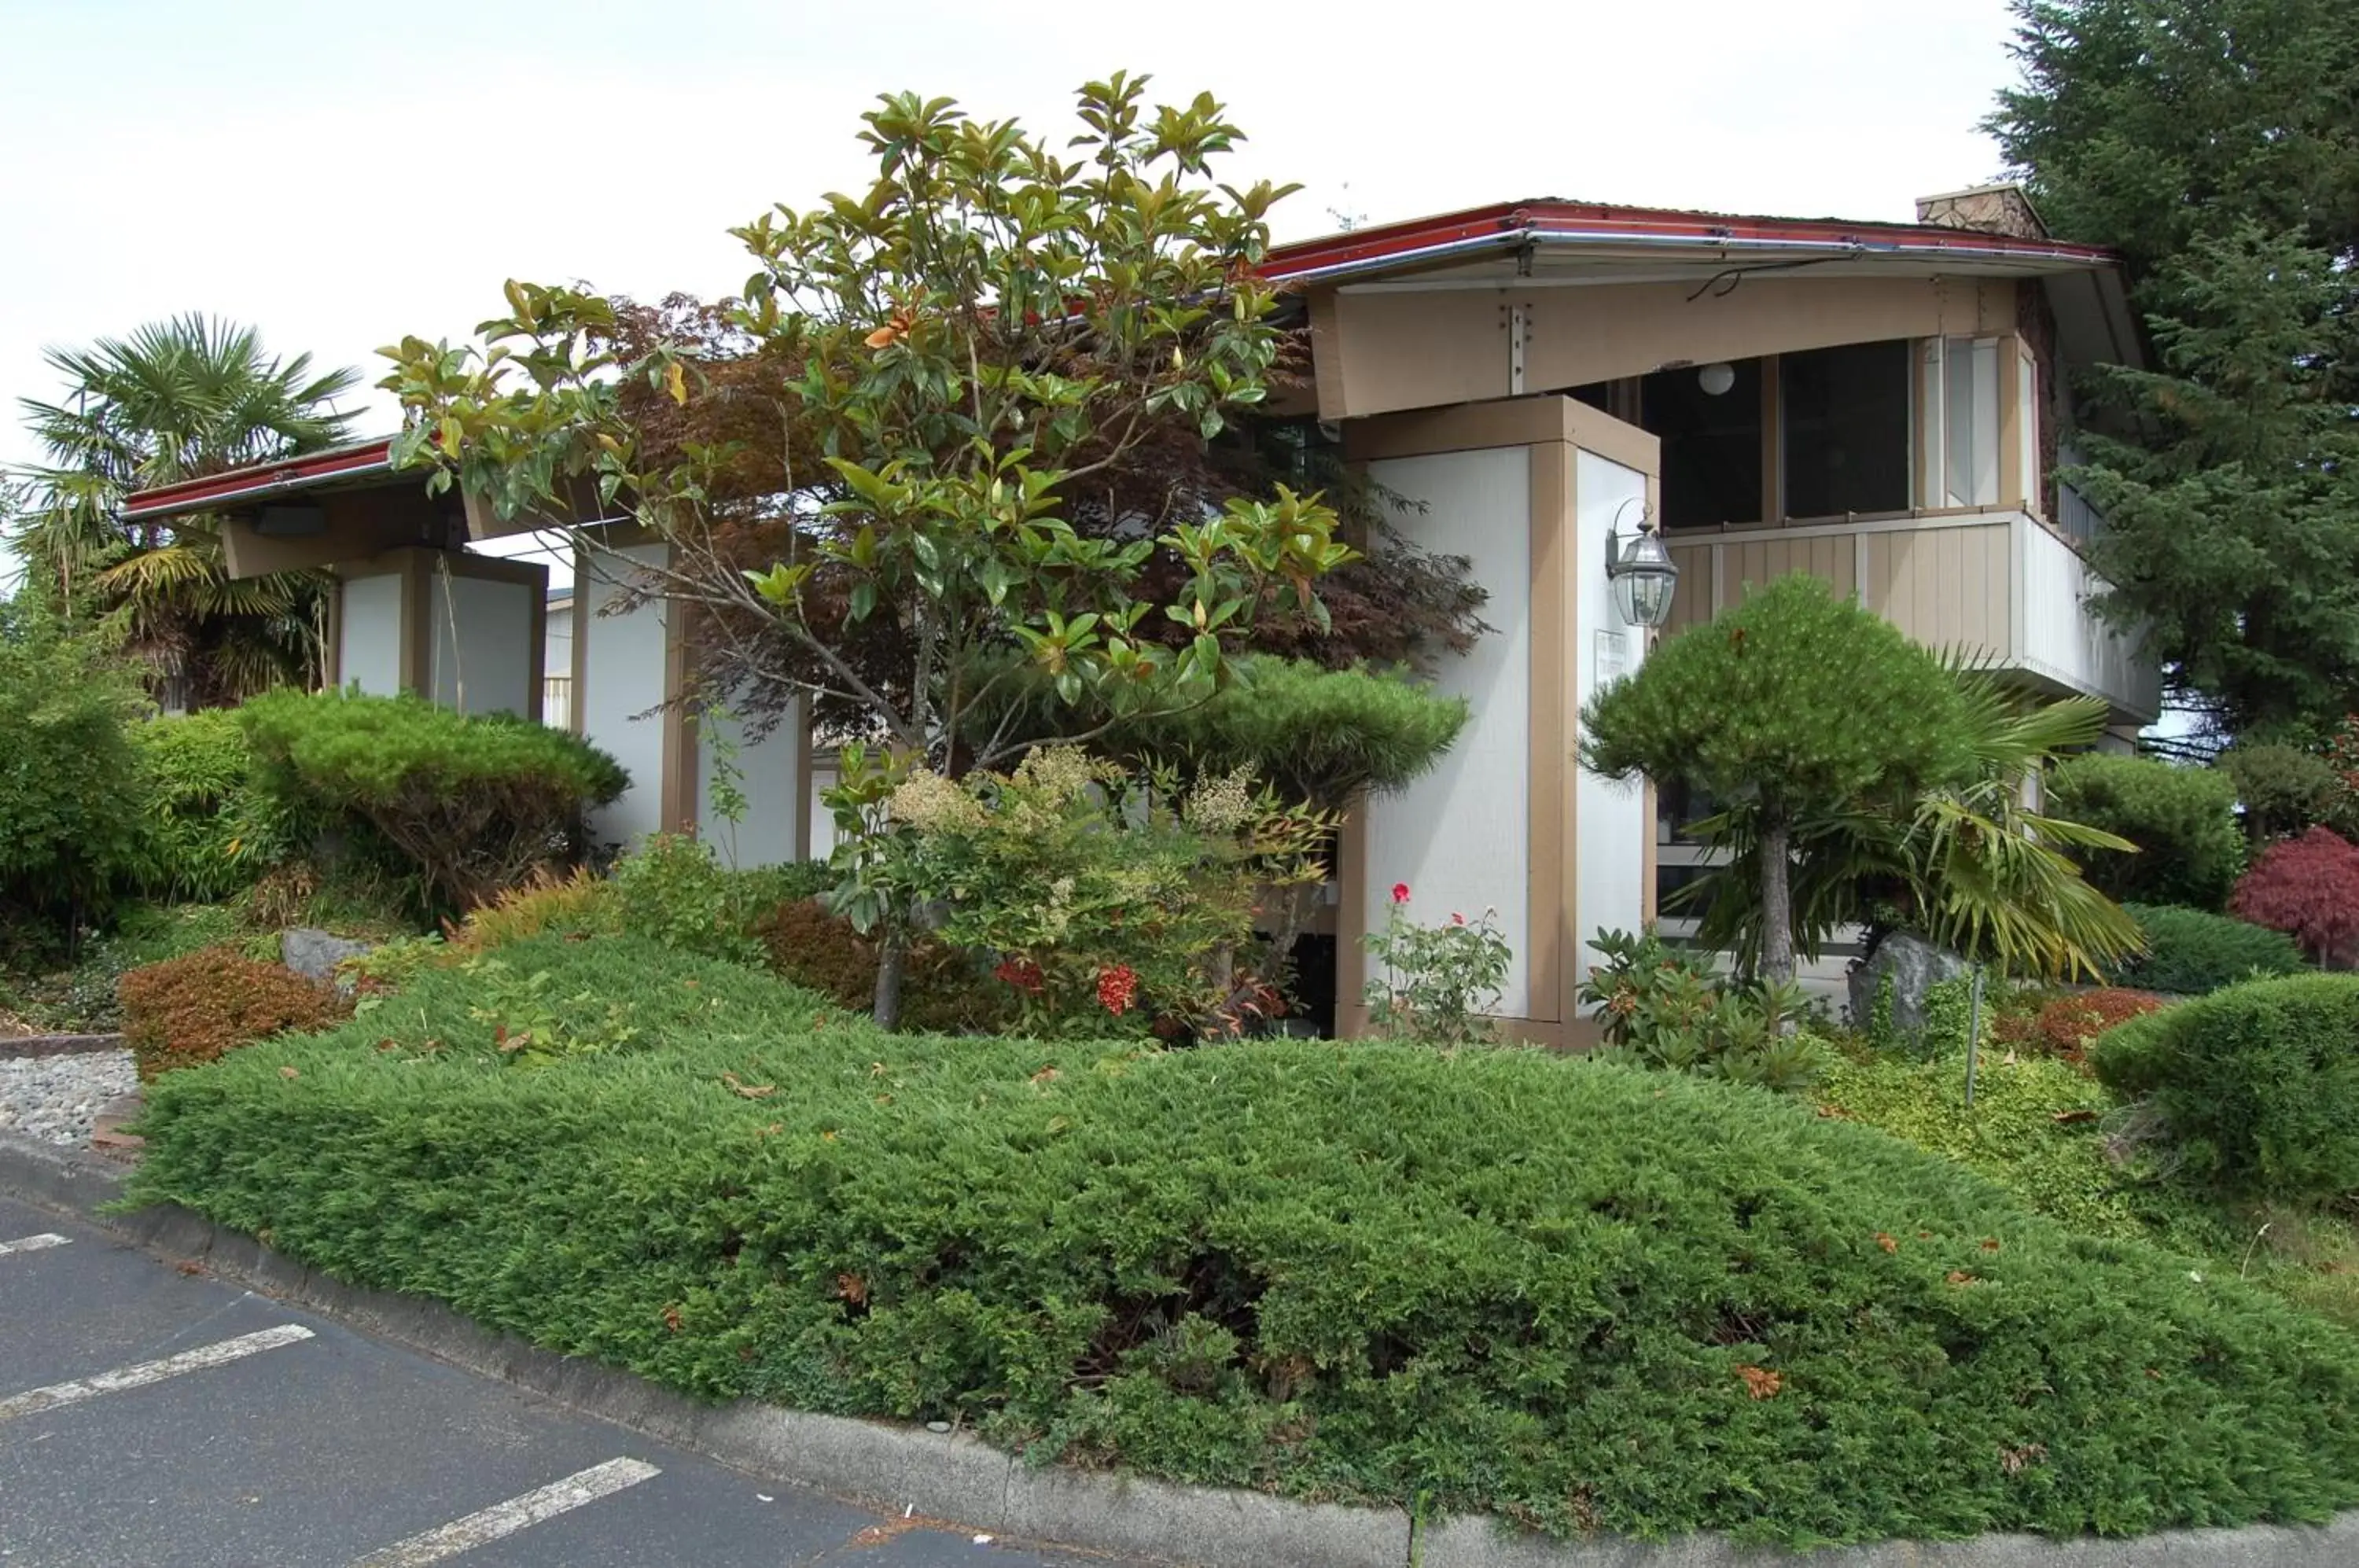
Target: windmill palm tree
x,y
177,399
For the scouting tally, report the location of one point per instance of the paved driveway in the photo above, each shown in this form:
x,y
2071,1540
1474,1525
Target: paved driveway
x,y
149,1417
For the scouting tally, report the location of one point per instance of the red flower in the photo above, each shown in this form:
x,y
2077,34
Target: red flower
x,y
1118,989
1020,973
1456,919
1400,892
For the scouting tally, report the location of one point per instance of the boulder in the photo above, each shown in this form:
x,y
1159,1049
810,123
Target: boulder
x,y
1915,966
314,953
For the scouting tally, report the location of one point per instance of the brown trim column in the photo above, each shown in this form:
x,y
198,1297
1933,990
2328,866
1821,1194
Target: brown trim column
x,y
1550,778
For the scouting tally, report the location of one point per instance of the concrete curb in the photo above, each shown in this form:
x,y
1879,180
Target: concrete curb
x,y
957,1476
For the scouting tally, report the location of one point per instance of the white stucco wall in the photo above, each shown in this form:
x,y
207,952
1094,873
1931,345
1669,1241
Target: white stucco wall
x,y
368,633
1460,836
623,679
773,832
482,659
1610,823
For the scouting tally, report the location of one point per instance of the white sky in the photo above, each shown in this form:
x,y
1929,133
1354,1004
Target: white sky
x,y
342,173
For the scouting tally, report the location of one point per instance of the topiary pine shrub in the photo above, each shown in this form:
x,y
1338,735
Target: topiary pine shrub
x,y
192,1009
1577,1295
2308,889
476,803
1743,709
2259,1083
2190,952
2183,820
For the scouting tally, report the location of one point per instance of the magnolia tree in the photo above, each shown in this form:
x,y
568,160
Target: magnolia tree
x,y
959,359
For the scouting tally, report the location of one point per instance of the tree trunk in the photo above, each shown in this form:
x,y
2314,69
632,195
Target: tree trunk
x,y
1776,902
892,955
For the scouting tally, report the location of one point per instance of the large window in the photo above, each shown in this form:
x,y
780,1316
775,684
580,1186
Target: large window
x,y
1711,442
1959,387
1845,439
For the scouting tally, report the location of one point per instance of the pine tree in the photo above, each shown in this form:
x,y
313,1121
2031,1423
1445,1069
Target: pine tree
x,y
2216,144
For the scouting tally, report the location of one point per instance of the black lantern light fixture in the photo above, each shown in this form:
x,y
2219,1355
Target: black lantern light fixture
x,y
1641,573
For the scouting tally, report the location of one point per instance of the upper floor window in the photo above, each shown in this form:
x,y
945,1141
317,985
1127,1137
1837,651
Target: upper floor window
x,y
1846,438
1958,388
1710,432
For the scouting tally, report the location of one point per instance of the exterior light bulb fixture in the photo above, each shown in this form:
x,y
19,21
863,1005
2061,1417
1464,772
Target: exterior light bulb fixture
x,y
1641,573
1716,378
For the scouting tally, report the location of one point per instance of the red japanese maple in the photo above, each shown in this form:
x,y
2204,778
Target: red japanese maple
x,y
2308,889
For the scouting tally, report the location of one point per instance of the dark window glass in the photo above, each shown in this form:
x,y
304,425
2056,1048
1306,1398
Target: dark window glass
x,y
1712,445
1845,412
1678,809
1596,394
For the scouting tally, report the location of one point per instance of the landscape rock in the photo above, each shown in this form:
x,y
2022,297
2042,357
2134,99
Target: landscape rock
x,y
1915,966
314,953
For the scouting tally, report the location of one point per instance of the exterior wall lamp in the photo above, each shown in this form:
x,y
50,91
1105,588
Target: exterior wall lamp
x,y
1641,573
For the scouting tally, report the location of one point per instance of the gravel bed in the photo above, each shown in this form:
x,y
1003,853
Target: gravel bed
x,y
57,1098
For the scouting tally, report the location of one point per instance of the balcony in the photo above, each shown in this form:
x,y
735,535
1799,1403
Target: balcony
x,y
1998,583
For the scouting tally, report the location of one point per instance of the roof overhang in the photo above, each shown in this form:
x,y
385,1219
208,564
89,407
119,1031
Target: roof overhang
x,y
1642,232
354,466
1559,244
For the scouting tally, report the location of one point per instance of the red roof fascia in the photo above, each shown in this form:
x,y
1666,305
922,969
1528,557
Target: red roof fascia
x,y
192,495
1365,248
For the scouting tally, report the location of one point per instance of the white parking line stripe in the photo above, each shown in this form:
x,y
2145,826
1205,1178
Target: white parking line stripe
x,y
516,1514
34,1243
35,1400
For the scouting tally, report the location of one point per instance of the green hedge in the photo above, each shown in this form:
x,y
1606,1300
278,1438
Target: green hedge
x,y
207,829
2259,1081
2191,953
2183,820
477,804
69,794
1572,1294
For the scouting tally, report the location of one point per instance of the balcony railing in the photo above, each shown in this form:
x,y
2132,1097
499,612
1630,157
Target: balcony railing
x,y
1999,583
556,701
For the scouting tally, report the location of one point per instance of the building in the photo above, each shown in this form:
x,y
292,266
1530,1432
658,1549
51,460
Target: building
x,y
1884,405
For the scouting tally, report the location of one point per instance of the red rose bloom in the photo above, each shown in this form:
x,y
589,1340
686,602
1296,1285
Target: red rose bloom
x,y
1400,892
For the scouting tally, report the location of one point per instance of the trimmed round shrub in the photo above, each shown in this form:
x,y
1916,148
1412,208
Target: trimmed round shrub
x,y
1577,1295
2259,1082
192,1009
476,803
2191,952
2183,820
2283,789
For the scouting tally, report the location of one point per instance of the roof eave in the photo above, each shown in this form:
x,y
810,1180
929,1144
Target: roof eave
x,y
354,459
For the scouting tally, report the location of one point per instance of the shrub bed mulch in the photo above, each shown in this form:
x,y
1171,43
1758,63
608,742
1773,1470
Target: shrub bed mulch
x,y
1578,1295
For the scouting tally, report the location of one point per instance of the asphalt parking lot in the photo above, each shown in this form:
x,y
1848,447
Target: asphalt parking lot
x,y
152,1416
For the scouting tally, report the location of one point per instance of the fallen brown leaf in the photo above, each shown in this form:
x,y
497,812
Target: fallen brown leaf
x,y
1761,1384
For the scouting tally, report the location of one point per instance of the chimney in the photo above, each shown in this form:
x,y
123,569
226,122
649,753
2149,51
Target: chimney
x,y
1989,208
